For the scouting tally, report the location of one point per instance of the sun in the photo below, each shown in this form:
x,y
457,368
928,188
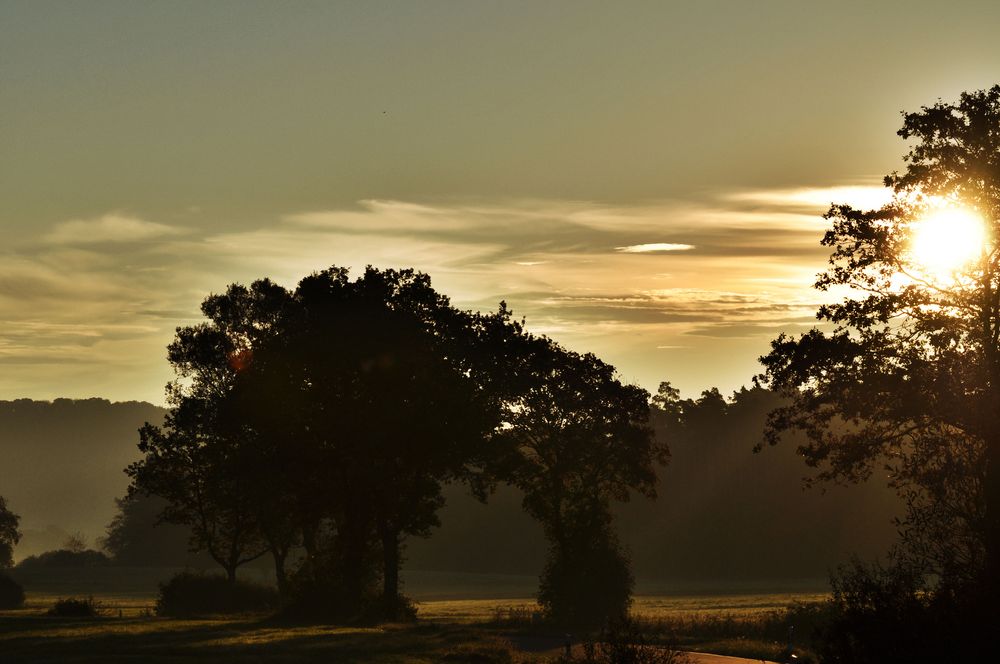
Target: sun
x,y
946,240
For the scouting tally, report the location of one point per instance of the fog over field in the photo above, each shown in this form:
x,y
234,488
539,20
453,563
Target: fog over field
x,y
724,515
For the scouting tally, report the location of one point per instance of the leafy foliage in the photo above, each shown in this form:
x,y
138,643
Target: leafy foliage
x,y
327,419
9,534
77,607
11,593
622,641
194,461
882,615
65,558
909,376
188,594
587,582
135,537
579,439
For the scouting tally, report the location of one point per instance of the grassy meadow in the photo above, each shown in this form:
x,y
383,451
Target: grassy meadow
x,y
451,629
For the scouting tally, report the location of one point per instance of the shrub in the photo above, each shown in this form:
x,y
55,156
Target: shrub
x,y
319,592
622,642
11,593
884,615
587,585
65,558
74,607
491,652
189,594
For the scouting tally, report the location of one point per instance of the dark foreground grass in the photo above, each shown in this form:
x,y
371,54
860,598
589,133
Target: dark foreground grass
x,y
511,633
30,638
765,634
44,639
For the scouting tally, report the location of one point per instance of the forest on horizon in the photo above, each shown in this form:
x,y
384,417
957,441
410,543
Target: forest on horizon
x,y
723,512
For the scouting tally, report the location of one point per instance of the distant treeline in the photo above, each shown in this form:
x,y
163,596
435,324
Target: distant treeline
x,y
723,512
61,464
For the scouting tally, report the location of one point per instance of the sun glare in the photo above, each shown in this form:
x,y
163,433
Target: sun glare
x,y
947,239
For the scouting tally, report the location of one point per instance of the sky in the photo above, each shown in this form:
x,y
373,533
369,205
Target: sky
x,y
641,180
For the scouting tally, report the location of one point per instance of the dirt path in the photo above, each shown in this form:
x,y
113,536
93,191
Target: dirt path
x,y
706,658
552,645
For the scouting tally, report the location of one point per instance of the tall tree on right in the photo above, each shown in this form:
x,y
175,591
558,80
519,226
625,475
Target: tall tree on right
x,y
578,440
9,534
906,373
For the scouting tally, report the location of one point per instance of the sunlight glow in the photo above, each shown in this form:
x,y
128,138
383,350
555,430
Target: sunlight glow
x,y
946,240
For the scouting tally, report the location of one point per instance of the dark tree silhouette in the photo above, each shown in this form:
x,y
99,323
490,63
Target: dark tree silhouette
x,y
909,376
331,417
203,488
195,461
378,374
9,534
580,439
136,538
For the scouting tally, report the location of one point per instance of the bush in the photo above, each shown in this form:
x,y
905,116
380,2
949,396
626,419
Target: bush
x,y
11,593
622,642
65,558
321,592
588,585
189,594
884,615
73,607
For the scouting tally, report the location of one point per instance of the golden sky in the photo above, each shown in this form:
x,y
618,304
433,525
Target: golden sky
x,y
643,180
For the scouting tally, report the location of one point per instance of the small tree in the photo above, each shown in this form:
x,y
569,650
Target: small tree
x,y
75,543
579,440
196,461
9,534
136,537
378,373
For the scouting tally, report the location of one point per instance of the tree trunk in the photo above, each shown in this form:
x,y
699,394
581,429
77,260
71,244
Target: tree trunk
x,y
231,572
279,570
354,543
991,499
390,571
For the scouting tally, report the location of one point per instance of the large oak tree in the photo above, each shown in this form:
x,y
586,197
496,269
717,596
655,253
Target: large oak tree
x,y
906,373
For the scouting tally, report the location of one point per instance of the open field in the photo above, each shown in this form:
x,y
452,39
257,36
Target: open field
x,y
645,606
454,630
485,610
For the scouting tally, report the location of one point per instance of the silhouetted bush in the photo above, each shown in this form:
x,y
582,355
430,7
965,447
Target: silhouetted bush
x,y
493,651
65,558
76,607
884,615
319,599
588,585
623,642
11,593
190,594
321,591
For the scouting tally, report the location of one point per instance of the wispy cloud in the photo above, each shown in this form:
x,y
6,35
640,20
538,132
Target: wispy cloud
x,y
654,248
108,228
866,196
90,305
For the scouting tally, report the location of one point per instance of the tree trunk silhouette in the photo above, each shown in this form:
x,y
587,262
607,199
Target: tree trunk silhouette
x,y
279,570
991,527
390,571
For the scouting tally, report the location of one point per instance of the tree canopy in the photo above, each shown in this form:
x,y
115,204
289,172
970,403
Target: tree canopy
x,y
9,534
579,439
905,372
327,419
